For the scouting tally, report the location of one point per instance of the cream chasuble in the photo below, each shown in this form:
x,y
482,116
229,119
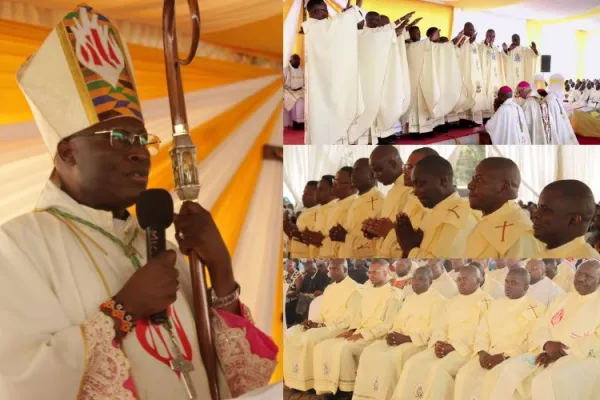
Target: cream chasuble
x,y
381,365
435,81
393,204
494,77
306,220
337,215
505,329
332,91
544,291
576,248
444,285
336,360
356,245
540,123
339,305
293,86
521,65
565,274
415,210
472,76
573,320
427,377
383,78
564,130
508,125
506,233
58,345
445,229
321,223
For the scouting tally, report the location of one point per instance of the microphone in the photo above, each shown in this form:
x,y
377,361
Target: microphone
x,y
154,210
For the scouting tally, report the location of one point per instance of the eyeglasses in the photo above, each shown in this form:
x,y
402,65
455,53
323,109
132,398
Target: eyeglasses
x,y
122,139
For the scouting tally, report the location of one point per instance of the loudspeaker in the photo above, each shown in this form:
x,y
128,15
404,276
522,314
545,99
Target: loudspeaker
x,y
546,60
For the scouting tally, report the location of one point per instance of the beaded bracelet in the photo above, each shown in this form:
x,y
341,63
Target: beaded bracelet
x,y
224,302
117,311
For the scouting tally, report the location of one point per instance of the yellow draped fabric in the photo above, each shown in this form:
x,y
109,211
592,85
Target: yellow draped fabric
x,y
287,4
581,38
586,124
19,41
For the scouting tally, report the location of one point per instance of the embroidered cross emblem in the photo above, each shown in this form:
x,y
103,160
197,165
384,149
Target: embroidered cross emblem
x,y
453,210
504,226
532,308
373,200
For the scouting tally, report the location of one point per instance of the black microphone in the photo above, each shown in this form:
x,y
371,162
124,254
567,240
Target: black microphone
x,y
154,210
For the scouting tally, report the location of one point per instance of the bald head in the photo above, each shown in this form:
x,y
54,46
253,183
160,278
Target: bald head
x,y
587,277
414,158
386,164
496,180
468,280
433,180
338,269
536,269
379,272
421,281
565,211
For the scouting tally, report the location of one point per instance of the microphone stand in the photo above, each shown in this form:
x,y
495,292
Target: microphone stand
x,y
185,171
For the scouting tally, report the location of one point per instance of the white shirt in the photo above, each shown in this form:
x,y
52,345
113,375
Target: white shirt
x,y
545,291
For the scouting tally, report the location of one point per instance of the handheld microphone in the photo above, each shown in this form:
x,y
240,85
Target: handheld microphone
x,y
154,210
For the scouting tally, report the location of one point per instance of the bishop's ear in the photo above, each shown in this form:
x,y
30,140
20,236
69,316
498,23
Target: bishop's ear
x,y
64,152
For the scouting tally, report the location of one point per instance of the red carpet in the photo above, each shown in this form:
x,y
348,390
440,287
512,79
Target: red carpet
x,y
291,137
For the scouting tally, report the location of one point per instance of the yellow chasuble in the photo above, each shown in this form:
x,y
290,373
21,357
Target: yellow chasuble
x,y
445,229
337,215
499,274
504,329
576,248
415,210
367,205
394,203
340,303
427,377
381,365
336,360
505,233
565,273
306,220
322,218
573,320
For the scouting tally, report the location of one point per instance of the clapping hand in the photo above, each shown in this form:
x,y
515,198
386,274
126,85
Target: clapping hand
x,y
473,38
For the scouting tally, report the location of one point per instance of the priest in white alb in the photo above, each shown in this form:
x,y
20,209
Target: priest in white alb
x,y
562,236
504,231
430,374
442,282
569,337
564,274
339,304
502,333
388,167
381,363
332,82
564,130
336,360
508,124
521,64
405,269
367,205
449,220
492,67
384,81
77,289
293,94
541,288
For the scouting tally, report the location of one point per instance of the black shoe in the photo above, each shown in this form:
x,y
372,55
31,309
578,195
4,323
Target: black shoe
x,y
415,136
297,126
387,140
442,128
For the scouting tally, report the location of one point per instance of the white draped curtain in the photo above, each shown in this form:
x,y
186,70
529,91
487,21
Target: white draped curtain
x,y
559,42
592,57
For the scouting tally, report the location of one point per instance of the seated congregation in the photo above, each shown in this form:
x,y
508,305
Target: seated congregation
x,y
451,329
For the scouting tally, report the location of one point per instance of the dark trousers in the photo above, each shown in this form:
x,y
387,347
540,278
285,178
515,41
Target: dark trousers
x,y
291,318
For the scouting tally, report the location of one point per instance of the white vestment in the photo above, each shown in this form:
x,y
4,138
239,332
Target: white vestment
x,y
508,125
539,120
564,130
383,71
293,86
494,77
332,83
594,99
544,291
472,75
435,81
520,65
55,274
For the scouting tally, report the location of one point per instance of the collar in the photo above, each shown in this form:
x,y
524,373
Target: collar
x,y
501,213
446,202
568,248
53,196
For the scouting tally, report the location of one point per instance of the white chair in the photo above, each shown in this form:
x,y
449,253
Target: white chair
x,y
315,308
